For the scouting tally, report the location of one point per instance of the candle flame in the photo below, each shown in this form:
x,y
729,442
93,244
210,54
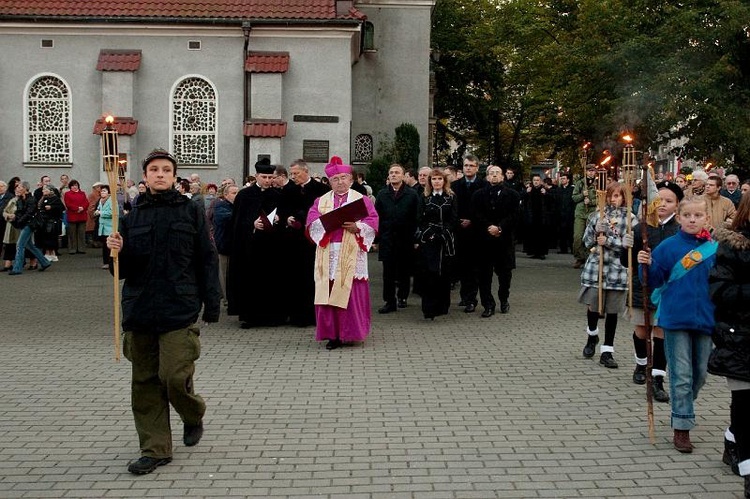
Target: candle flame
x,y
606,160
109,119
627,138
708,167
586,145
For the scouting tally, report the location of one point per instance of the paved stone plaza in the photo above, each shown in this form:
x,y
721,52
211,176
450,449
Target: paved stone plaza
x,y
456,408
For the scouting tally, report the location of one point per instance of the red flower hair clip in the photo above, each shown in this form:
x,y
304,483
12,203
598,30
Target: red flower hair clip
x,y
704,235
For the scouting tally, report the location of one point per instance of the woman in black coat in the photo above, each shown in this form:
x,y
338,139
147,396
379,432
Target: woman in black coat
x,y
730,289
436,219
46,236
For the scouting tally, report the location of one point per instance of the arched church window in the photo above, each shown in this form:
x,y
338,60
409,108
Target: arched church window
x,y
48,121
193,121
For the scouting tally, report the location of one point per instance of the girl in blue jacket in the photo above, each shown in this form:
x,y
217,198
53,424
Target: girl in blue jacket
x,y
678,272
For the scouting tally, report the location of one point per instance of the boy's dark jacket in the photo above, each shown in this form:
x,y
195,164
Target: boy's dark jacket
x,y
169,264
656,235
729,286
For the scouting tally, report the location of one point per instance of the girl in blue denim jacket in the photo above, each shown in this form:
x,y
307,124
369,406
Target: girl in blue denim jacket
x,y
678,269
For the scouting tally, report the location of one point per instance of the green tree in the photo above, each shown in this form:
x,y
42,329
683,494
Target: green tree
x,y
377,171
522,79
403,149
406,146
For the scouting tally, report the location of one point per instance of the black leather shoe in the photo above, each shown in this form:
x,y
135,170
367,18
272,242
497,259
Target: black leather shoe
x,y
488,312
470,308
504,307
387,308
660,394
639,375
401,303
146,465
590,348
608,361
333,344
191,435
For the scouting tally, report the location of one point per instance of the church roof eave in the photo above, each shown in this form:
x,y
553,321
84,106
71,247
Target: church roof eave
x,y
182,20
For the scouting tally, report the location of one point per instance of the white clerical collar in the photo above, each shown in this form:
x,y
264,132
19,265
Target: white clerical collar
x,y
437,193
665,221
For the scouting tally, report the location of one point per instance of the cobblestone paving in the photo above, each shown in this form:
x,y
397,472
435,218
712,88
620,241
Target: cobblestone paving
x,y
462,407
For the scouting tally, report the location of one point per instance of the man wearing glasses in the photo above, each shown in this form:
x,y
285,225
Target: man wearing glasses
x,y
732,190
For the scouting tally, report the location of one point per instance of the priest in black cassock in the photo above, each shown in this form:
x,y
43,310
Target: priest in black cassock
x,y
297,198
254,289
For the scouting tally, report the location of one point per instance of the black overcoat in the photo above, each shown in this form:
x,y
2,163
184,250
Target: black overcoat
x,y
397,211
437,220
729,288
497,205
464,190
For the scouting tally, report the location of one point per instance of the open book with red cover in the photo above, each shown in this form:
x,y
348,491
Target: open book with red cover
x,y
351,212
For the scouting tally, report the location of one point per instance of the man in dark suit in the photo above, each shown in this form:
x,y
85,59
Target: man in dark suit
x,y
496,210
397,206
467,234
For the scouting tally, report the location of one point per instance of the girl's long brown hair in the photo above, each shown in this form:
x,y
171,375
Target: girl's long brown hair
x,y
742,216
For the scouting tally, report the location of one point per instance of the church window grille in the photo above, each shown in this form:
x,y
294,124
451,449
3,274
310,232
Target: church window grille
x,y
48,108
363,150
194,107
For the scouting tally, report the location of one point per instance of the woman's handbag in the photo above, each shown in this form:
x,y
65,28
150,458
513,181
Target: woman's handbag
x,y
37,221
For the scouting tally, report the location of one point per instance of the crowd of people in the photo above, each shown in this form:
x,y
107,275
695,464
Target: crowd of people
x,y
433,229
